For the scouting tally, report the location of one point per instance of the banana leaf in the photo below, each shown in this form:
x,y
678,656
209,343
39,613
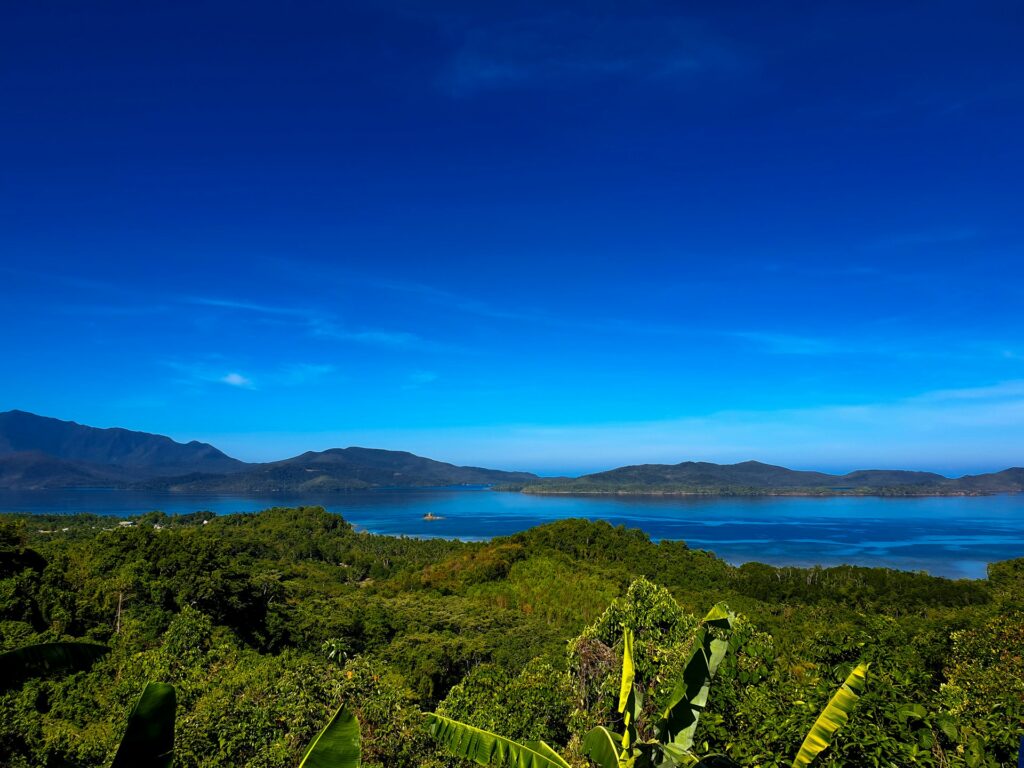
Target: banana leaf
x,y
337,745
631,699
835,714
678,718
599,746
488,748
628,669
149,738
19,665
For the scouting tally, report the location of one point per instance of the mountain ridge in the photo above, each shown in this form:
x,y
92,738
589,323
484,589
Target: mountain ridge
x,y
39,452
757,478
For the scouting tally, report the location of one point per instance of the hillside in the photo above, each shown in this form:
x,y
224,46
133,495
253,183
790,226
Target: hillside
x,y
31,471
346,469
135,455
37,453
754,478
265,622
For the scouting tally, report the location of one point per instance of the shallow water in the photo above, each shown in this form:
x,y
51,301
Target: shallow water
x,y
950,536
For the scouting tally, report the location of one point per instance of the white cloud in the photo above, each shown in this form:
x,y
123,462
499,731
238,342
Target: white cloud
x,y
237,380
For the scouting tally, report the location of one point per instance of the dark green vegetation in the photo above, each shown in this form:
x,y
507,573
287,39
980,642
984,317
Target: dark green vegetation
x,y
265,623
752,478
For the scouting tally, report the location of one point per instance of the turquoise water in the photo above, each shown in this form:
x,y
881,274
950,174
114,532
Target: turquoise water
x,y
953,537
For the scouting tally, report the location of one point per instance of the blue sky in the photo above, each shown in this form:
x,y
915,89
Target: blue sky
x,y
544,236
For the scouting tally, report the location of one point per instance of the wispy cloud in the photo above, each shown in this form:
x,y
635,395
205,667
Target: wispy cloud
x,y
214,372
331,330
786,344
193,374
418,379
297,374
1001,392
923,238
315,322
246,306
563,48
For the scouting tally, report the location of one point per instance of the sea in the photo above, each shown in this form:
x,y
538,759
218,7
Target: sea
x,y
955,537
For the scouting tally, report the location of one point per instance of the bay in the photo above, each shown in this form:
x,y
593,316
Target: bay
x,y
946,536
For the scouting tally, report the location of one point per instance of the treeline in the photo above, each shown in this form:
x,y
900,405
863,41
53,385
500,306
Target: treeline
x,y
583,487
265,623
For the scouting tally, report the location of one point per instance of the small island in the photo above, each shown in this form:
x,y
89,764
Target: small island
x,y
432,516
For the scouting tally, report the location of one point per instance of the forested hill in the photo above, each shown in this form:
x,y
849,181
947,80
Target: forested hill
x,y
266,622
105,453
345,469
37,452
753,477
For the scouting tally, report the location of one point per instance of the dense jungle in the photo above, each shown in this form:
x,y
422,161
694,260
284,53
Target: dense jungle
x,y
265,623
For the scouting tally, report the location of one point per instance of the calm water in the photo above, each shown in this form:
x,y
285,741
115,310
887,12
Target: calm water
x,y
953,537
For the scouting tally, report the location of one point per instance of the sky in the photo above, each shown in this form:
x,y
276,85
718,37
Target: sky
x,y
544,236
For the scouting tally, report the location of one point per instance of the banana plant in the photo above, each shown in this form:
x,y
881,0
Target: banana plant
x,y
19,665
831,719
677,722
488,748
337,745
677,718
149,737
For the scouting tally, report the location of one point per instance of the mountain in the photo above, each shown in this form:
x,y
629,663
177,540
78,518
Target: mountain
x,y
120,452
37,452
753,477
349,468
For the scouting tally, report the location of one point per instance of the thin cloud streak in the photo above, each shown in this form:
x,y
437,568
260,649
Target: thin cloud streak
x,y
216,373
319,324
562,49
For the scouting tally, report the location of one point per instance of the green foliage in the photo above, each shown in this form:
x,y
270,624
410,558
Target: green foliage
x,y
45,659
533,705
265,623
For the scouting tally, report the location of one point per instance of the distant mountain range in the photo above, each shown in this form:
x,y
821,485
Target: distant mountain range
x,y
37,452
755,478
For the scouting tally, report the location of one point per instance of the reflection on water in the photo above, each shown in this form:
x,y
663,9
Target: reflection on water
x,y
953,536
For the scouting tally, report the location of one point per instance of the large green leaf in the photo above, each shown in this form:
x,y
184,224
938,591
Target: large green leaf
x,y
599,746
19,665
832,717
489,748
628,669
630,697
337,745
678,718
149,738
